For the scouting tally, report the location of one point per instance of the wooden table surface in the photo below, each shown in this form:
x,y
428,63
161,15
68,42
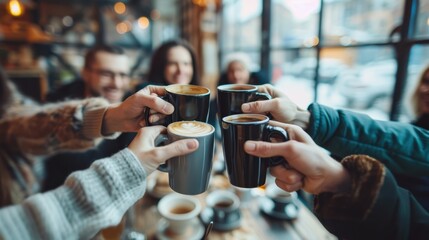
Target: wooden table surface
x,y
254,224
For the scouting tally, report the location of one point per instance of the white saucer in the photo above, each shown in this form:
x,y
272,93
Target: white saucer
x,y
206,217
267,206
194,232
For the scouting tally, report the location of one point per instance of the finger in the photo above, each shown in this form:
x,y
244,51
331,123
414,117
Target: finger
x,y
264,149
289,187
147,98
295,132
261,106
177,148
146,136
288,175
154,89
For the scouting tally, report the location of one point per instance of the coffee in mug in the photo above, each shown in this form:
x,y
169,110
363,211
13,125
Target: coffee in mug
x,y
189,174
179,211
224,207
244,170
190,103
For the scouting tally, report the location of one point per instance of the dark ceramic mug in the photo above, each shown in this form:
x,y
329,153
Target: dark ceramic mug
x,y
244,170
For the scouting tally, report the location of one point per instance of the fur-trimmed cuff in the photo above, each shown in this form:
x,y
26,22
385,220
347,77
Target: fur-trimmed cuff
x,y
367,176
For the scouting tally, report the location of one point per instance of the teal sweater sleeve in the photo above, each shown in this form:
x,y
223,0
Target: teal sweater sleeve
x,y
403,148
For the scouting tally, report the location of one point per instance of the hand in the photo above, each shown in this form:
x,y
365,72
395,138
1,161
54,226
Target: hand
x,y
280,107
309,166
143,146
128,116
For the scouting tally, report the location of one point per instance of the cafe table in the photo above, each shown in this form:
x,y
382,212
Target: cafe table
x,y
254,223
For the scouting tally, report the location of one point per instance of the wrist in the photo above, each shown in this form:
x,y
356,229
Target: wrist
x,y
340,180
302,118
111,123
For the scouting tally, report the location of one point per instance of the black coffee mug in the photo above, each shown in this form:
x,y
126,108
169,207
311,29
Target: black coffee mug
x,y
230,97
191,103
245,170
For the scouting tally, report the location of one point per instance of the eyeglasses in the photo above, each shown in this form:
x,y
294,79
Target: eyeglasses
x,y
110,74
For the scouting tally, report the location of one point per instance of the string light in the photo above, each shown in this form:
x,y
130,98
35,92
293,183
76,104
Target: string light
x,y
15,8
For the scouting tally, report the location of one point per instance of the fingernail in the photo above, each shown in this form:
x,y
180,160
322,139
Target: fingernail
x,y
245,107
191,144
168,108
250,146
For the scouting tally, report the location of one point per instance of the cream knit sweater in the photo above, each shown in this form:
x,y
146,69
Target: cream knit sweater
x,y
89,200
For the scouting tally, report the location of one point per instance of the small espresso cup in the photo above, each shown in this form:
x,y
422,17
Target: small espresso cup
x,y
244,170
189,174
280,197
225,209
190,102
230,97
179,211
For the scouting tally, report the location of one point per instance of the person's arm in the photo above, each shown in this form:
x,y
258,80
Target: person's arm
x,y
52,127
356,199
89,201
374,208
95,198
402,147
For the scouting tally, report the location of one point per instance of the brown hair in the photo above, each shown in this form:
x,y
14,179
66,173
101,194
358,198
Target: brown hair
x,y
415,95
90,55
159,62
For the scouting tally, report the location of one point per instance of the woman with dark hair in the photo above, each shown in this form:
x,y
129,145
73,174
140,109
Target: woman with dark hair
x,y
174,62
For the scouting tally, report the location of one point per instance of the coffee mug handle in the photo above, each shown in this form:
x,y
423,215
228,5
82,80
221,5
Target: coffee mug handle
x,y
257,96
278,133
162,139
167,119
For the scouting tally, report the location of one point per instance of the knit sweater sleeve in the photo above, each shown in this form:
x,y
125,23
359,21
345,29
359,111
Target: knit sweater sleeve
x,y
72,125
90,200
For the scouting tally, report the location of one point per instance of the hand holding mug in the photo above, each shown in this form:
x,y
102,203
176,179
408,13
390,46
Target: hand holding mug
x,y
311,168
128,115
150,156
280,107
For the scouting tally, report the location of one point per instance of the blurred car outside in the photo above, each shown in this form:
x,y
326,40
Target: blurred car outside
x,y
329,69
370,85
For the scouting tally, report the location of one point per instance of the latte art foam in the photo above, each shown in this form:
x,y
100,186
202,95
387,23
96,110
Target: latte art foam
x,y
190,128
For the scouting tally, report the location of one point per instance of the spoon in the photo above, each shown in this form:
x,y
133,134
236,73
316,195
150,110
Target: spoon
x,y
208,229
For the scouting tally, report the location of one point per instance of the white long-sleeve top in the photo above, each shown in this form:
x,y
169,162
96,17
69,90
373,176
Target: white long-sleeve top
x,y
89,201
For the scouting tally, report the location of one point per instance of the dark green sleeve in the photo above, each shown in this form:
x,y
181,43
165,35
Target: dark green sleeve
x,y
375,208
402,147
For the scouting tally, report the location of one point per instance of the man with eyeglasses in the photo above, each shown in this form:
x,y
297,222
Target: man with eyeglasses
x,y
105,74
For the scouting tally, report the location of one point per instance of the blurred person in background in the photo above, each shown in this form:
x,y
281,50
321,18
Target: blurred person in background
x,y
173,62
237,70
420,100
105,74
419,186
